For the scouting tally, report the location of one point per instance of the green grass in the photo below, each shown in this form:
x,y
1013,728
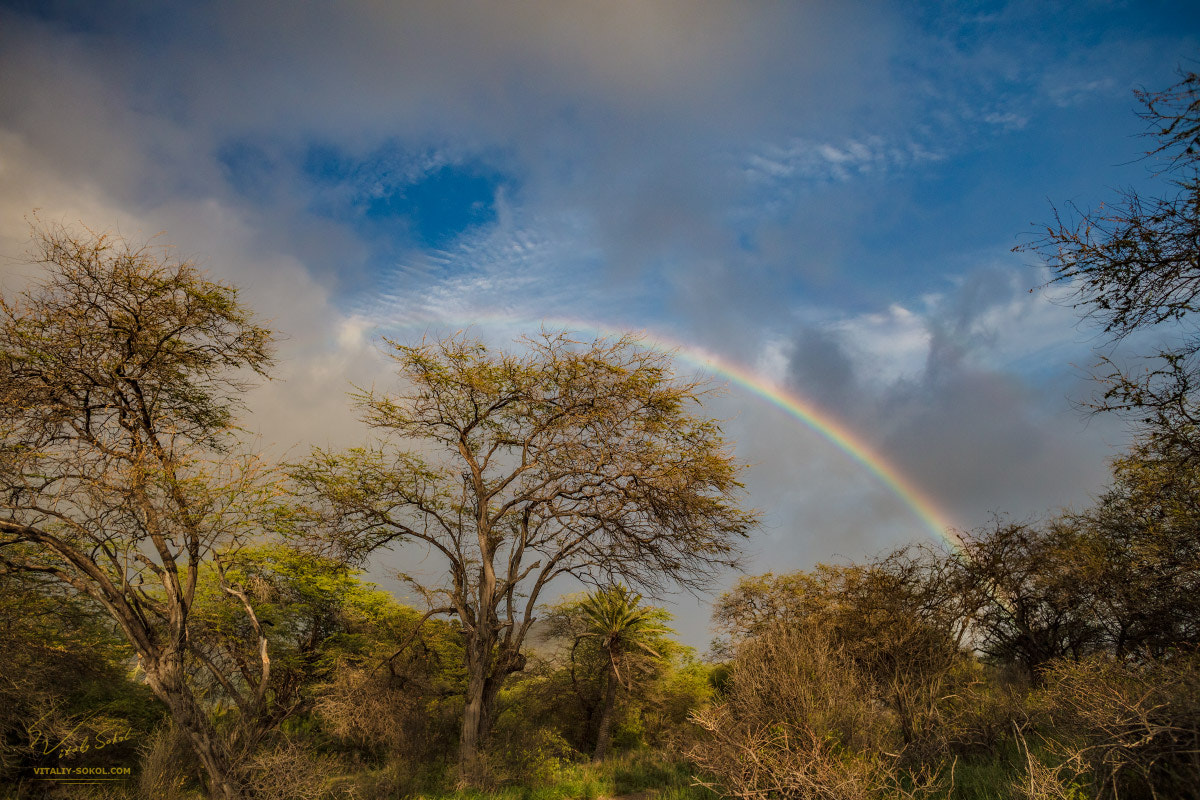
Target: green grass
x,y
630,773
984,778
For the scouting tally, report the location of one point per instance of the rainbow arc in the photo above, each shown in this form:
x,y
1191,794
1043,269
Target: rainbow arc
x,y
792,403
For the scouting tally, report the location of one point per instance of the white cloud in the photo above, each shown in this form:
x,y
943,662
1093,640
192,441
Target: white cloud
x,y
887,346
1008,120
812,160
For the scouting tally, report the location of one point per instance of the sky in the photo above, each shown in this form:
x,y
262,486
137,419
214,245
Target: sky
x,y
816,202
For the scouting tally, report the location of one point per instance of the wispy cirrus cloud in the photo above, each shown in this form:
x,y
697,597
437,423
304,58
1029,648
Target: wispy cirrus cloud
x,y
807,160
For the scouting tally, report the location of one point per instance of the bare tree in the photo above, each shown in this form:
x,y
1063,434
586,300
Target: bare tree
x,y
117,473
1134,264
570,459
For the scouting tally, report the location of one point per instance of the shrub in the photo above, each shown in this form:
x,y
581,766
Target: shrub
x,y
168,765
800,721
1134,728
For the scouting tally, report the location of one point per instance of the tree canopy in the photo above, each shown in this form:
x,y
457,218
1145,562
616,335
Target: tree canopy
x,y
120,372
567,458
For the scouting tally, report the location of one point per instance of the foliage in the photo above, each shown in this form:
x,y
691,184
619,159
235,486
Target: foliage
x,y
612,642
1122,577
1086,625
638,773
1140,557
66,695
304,604
118,386
581,459
168,765
388,704
622,629
561,697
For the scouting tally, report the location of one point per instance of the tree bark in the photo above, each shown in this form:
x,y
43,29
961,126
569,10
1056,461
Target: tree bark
x,y
469,767
167,682
486,674
604,734
484,679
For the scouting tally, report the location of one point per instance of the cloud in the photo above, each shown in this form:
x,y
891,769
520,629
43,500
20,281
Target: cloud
x,y
820,190
817,360
823,161
967,395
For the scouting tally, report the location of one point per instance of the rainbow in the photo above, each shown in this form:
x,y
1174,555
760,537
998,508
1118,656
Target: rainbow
x,y
820,421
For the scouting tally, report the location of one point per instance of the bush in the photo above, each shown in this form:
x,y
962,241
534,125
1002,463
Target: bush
x,y
800,721
290,772
1135,729
979,716
530,756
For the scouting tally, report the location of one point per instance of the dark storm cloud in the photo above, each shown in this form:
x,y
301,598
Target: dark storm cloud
x,y
817,362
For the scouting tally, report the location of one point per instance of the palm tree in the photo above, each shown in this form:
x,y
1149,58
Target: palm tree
x,y
621,626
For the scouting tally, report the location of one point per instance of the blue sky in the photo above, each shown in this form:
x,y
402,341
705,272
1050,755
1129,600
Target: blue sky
x,y
825,192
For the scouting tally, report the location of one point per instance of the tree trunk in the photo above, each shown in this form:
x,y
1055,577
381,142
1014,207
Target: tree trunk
x,y
604,735
486,674
166,681
470,770
904,714
482,689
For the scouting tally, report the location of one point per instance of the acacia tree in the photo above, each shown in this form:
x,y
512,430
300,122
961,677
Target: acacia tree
x,y
567,459
117,474
1034,602
1121,577
1138,556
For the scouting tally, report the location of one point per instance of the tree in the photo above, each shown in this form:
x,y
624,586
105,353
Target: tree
x,y
1120,578
1134,264
894,620
1139,558
621,626
570,459
119,377
1034,604
758,603
562,694
302,604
